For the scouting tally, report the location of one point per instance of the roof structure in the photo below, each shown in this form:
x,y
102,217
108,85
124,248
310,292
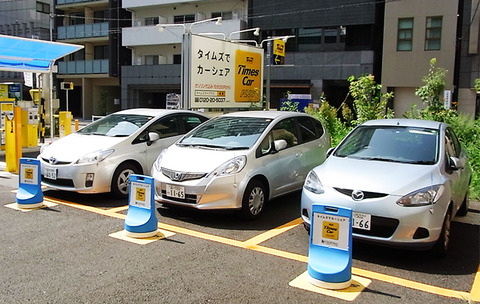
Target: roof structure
x,y
31,55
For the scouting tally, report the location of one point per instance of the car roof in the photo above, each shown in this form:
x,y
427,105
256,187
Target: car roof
x,y
404,122
152,112
265,114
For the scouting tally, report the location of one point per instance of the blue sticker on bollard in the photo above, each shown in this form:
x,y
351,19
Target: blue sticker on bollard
x,y
29,194
330,250
141,220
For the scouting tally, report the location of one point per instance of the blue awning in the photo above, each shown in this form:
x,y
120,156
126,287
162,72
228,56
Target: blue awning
x,y
31,55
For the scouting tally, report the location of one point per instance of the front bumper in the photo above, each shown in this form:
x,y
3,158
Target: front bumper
x,y
391,224
73,177
208,193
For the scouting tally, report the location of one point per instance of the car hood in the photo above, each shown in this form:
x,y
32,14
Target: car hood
x,y
376,176
72,147
196,159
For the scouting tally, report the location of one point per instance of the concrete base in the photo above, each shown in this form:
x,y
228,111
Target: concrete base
x,y
142,235
329,285
30,206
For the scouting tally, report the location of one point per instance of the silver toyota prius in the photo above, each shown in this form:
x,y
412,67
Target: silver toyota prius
x,y
403,179
240,160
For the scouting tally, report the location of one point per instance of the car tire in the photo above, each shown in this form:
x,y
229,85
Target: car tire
x,y
254,199
441,246
463,210
120,179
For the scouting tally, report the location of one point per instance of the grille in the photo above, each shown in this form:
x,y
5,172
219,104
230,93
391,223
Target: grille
x,y
380,227
367,194
181,176
59,163
59,182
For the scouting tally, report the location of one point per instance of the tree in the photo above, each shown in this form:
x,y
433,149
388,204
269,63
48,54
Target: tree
x,y
368,100
434,85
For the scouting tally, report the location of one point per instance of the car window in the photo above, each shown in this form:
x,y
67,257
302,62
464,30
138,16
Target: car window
x,y
191,122
308,132
118,125
285,129
164,127
395,144
453,142
227,132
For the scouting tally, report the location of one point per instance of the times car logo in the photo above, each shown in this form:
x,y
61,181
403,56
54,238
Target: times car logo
x,y
357,195
52,160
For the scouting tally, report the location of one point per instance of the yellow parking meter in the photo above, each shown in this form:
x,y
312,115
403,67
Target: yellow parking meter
x,y
64,123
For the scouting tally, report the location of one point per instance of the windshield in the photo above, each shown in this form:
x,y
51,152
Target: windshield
x,y
394,144
119,125
227,133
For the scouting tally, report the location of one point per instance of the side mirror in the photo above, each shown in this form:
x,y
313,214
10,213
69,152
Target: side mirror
x,y
152,136
457,163
280,144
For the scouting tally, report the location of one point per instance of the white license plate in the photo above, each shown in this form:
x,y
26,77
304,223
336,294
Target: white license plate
x,y
175,191
50,173
362,220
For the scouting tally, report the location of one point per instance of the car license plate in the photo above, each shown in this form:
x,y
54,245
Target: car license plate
x,y
175,191
362,220
50,173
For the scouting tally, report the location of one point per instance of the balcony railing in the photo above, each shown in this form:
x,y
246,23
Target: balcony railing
x,y
82,31
61,2
99,66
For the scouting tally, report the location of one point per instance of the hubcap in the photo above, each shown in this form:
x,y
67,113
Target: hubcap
x,y
255,201
123,180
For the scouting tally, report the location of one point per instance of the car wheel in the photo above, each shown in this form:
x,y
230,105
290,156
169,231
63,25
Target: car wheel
x,y
464,207
441,246
121,178
253,200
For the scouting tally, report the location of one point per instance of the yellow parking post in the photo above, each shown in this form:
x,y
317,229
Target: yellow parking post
x,y
76,125
64,123
13,140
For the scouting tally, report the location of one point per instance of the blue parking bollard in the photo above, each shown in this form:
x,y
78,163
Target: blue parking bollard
x,y
330,249
141,220
29,194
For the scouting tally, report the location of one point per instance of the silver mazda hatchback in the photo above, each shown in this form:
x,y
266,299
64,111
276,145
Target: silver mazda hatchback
x,y
403,179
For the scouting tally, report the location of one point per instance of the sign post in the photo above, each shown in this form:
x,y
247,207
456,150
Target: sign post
x,y
330,250
141,220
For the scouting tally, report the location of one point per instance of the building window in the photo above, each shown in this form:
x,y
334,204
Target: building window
x,y
151,59
433,33
100,16
224,15
100,52
405,34
43,7
177,59
183,19
151,21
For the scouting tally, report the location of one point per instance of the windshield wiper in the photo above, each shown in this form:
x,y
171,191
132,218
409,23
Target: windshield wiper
x,y
237,148
208,146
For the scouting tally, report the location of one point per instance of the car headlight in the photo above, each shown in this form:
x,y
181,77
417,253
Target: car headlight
x,y
157,163
94,157
232,166
313,184
423,197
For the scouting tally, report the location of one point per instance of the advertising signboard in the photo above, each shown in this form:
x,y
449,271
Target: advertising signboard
x,y
221,74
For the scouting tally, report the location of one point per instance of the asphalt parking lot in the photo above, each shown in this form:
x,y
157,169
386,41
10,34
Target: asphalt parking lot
x,y
73,250
70,252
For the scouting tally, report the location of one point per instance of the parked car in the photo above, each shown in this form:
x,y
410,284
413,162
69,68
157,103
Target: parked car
x,y
403,179
240,161
101,156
